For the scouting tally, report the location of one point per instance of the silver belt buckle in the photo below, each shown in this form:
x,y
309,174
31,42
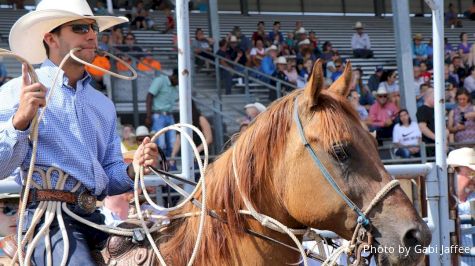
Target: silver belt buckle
x,y
86,202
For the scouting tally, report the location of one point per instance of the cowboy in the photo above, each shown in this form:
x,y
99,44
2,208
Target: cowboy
x,y
360,42
78,131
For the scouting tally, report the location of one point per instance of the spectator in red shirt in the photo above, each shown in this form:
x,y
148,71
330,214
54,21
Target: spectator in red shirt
x,y
381,116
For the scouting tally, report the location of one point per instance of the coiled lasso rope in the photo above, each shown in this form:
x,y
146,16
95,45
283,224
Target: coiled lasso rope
x,y
49,207
202,165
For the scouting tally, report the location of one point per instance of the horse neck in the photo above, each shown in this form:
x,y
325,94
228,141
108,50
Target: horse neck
x,y
224,240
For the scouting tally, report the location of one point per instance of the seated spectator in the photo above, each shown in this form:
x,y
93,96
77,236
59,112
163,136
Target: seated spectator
x,y
148,63
418,81
257,53
291,71
305,52
426,74
279,73
354,98
226,76
425,118
3,72
305,73
140,15
360,42
461,119
366,97
98,75
275,36
9,203
470,13
389,83
449,78
464,47
457,70
469,82
381,116
253,110
244,43
375,79
300,35
339,67
290,42
105,42
406,136
327,51
259,34
202,46
129,140
170,23
100,9
448,50
267,64
117,36
237,55
419,50
451,18
130,46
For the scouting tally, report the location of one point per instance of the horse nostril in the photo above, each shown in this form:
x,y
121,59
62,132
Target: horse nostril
x,y
412,238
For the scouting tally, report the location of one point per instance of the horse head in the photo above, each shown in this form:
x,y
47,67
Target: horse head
x,y
349,154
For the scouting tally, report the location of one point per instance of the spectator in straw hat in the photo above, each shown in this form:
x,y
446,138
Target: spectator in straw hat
x,y
279,73
419,49
78,131
236,54
360,42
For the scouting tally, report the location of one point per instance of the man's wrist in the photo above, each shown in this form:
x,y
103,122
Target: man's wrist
x,y
131,171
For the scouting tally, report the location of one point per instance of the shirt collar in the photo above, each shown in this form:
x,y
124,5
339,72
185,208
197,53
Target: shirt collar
x,y
53,68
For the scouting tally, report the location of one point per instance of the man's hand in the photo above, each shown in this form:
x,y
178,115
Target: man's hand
x,y
32,97
146,155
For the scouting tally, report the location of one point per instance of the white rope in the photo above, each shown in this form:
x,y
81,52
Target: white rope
x,y
201,184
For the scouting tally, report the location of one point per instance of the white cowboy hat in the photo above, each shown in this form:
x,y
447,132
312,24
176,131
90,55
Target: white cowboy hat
x,y
233,39
26,35
358,25
271,48
301,30
4,196
304,42
462,157
381,91
281,60
259,106
142,131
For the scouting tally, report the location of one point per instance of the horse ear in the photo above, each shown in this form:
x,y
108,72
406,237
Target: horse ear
x,y
342,85
314,84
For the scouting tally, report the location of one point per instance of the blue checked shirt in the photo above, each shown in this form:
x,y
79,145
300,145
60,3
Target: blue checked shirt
x,y
77,134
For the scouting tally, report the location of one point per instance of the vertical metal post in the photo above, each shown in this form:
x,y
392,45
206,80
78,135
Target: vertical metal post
x,y
343,7
135,103
446,226
184,70
302,7
218,127
213,22
110,8
402,31
432,196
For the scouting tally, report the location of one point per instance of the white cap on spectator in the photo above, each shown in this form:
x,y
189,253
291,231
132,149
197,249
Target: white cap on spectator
x,y
259,106
281,60
142,131
271,48
358,25
381,90
304,42
301,30
462,157
233,39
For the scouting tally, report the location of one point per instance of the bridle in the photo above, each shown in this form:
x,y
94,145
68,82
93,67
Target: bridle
x,y
363,223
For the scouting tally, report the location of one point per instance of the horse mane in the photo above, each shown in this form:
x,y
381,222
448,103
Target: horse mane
x,y
258,150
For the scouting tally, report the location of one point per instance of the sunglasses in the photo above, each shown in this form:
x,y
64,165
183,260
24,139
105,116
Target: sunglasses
x,y
337,66
130,38
9,211
84,28
382,96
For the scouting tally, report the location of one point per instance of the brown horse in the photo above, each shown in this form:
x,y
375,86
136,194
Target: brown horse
x,y
281,180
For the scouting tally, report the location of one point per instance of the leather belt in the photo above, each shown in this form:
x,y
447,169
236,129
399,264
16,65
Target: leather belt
x,y
84,200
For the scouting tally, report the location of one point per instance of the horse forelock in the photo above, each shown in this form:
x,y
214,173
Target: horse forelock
x,y
259,149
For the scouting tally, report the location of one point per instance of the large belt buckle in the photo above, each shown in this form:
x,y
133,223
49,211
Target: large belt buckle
x,y
86,202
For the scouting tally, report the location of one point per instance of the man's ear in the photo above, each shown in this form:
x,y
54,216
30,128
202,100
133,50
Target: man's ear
x,y
51,40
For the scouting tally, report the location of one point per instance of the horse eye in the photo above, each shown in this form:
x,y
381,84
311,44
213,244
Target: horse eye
x,y
340,153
